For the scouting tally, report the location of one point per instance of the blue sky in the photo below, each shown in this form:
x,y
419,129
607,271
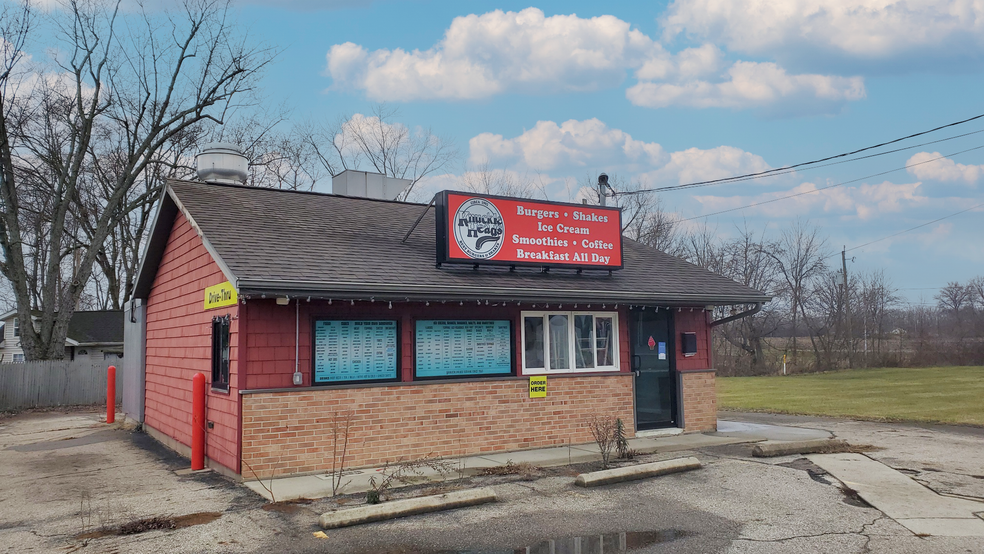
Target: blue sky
x,y
664,93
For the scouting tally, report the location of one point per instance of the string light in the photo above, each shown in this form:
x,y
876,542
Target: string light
x,y
391,305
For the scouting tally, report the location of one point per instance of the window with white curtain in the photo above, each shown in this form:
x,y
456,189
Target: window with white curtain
x,y
559,342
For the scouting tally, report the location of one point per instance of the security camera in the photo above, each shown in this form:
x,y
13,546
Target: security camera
x,y
603,179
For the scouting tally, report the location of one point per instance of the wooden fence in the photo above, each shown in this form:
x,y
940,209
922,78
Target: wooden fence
x,y
55,383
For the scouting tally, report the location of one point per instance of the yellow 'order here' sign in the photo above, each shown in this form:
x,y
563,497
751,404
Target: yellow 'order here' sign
x,y
218,296
538,386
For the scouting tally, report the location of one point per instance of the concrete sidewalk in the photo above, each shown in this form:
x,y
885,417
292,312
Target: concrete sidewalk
x,y
912,505
357,480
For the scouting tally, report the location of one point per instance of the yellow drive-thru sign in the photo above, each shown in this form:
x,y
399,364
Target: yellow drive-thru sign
x,y
218,296
538,386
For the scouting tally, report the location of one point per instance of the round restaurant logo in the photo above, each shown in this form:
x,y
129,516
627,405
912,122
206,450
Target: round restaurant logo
x,y
478,228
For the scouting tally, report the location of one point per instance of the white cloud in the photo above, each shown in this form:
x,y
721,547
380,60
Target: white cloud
x,y
572,144
693,164
866,201
527,52
481,55
859,29
749,84
943,169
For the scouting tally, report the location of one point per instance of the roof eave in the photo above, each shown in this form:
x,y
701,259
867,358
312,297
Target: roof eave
x,y
392,291
160,233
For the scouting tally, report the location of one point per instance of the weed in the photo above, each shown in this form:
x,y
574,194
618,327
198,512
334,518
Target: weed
x,y
404,472
604,429
341,424
526,469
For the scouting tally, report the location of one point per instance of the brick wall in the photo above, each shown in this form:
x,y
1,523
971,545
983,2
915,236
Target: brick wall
x,y
179,344
699,401
290,432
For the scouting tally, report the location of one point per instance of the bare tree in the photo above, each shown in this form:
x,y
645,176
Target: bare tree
x,y
700,247
744,260
122,87
376,142
800,255
486,180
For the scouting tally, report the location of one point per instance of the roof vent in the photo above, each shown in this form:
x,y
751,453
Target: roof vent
x,y
368,185
223,163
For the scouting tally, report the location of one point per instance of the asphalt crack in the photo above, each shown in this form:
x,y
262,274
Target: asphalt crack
x,y
863,532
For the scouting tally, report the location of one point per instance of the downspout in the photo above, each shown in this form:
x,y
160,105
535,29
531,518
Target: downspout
x,y
742,315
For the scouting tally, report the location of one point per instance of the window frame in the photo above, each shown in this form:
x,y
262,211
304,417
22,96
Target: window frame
x,y
16,327
572,342
512,354
314,345
220,367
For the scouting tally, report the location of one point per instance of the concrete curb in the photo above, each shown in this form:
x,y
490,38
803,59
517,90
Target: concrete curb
x,y
640,471
769,449
408,507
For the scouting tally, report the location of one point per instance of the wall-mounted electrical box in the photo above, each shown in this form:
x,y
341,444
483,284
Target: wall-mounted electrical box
x,y
689,344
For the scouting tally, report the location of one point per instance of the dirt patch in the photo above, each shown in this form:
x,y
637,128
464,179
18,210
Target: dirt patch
x,y
153,524
844,447
525,469
287,506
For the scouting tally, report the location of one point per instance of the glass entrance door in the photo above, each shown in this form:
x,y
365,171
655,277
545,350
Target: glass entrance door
x,y
655,384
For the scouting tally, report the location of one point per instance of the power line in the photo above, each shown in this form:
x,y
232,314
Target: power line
x,y
755,204
828,158
916,227
739,179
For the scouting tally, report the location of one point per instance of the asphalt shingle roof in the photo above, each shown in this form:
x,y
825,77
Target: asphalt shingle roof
x,y
96,327
284,241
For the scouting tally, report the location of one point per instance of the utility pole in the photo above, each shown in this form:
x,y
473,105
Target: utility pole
x,y
847,311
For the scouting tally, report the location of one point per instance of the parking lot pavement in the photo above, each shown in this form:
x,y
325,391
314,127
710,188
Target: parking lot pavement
x,y
67,474
946,458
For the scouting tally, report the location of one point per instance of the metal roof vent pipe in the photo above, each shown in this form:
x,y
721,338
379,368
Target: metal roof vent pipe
x,y
222,163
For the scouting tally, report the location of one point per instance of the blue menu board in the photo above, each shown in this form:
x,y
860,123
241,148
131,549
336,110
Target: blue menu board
x,y
460,348
354,350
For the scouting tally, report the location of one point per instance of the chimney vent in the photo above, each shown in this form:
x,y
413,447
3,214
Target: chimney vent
x,y
221,162
368,185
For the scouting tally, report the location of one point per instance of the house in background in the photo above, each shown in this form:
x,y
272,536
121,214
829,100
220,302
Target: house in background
x,y
93,335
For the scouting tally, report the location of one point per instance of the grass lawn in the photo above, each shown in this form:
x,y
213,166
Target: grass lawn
x,y
933,394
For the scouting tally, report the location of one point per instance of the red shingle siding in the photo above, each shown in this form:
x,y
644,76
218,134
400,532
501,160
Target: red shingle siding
x,y
290,432
179,344
695,321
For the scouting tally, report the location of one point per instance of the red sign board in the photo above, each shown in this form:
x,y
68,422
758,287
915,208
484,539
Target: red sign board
x,y
483,229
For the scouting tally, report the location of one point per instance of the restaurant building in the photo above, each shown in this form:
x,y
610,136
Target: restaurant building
x,y
429,327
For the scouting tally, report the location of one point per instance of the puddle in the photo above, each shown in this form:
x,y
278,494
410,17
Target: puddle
x,y
593,544
152,524
814,471
852,498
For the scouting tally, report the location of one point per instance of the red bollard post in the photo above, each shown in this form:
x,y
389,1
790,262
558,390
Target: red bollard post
x,y
111,394
198,422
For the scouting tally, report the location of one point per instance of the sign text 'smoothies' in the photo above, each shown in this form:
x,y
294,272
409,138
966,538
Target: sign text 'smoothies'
x,y
473,228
